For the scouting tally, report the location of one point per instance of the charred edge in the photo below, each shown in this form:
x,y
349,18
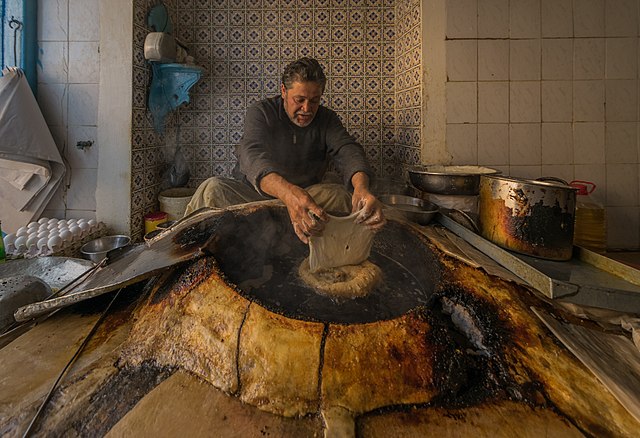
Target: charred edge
x,y
119,315
465,378
244,318
199,233
97,304
115,398
485,317
183,277
323,342
454,375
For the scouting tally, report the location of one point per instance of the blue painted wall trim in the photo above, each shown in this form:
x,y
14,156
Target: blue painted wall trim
x,y
3,13
30,43
26,12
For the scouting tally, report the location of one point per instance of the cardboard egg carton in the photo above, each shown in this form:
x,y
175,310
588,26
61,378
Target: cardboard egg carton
x,y
47,237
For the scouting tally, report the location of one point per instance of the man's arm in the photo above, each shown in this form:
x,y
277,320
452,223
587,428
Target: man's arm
x,y
299,205
253,151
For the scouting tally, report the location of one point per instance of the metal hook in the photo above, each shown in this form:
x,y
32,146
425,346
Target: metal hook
x,y
13,21
15,36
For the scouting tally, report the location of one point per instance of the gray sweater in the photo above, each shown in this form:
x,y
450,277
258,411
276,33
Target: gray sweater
x,y
272,143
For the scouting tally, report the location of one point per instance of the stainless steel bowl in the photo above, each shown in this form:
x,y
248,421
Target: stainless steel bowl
x,y
97,249
413,209
449,180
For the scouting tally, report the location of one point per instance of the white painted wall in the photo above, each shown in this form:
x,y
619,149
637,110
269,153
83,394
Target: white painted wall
x,y
113,194
84,91
68,95
539,88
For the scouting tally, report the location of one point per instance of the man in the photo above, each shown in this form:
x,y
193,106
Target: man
x,y
284,153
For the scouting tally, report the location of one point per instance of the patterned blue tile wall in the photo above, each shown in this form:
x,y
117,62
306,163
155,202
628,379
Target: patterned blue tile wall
x,y
371,51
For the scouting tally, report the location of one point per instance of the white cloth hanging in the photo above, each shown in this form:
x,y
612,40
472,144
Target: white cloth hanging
x,y
31,168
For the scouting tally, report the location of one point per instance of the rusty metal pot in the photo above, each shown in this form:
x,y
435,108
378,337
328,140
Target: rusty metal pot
x,y
531,217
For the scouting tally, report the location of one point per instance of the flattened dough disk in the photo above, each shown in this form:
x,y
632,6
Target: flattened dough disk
x,y
343,242
349,281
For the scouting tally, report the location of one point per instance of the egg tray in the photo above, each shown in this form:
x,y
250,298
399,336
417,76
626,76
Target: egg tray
x,y
72,248
69,248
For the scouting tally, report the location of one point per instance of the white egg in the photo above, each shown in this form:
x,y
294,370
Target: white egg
x,y
54,242
92,222
43,220
75,230
21,244
42,243
85,227
22,231
53,221
72,221
9,239
62,224
43,227
52,226
42,234
65,235
33,225
32,242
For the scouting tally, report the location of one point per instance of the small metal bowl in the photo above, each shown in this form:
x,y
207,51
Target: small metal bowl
x,y
413,209
97,249
449,180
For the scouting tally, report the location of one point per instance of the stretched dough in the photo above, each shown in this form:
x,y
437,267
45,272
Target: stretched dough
x,y
343,242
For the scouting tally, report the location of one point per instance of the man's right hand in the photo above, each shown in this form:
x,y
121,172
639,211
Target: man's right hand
x,y
306,216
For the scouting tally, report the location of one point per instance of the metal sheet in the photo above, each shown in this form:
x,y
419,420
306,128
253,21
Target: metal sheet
x,y
613,359
576,281
57,272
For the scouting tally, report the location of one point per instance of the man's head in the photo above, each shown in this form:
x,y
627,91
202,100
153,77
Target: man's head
x,y
302,86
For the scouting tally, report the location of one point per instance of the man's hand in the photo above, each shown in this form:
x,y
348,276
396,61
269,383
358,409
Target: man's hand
x,y
306,216
362,199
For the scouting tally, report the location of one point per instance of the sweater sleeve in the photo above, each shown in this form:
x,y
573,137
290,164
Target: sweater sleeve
x,y
347,154
253,151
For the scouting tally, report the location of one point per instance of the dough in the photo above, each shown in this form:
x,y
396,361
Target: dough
x,y
343,242
349,281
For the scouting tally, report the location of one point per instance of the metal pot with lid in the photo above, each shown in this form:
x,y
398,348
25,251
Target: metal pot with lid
x,y
531,217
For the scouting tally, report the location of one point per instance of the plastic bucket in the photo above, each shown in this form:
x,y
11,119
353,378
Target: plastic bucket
x,y
174,201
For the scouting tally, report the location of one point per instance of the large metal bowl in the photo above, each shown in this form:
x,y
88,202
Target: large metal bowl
x,y
413,209
97,249
449,180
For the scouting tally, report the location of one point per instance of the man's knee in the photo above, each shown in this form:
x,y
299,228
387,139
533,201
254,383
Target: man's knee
x,y
331,197
211,193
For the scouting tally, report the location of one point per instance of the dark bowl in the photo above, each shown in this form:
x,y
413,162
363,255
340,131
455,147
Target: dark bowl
x,y
449,180
412,209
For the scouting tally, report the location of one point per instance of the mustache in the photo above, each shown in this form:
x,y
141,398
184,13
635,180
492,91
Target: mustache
x,y
302,113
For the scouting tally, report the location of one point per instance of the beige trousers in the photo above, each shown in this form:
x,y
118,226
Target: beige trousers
x,y
222,192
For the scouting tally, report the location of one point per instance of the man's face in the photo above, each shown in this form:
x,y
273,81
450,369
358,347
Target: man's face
x,y
301,102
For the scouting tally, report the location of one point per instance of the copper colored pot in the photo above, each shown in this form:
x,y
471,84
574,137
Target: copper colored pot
x,y
531,217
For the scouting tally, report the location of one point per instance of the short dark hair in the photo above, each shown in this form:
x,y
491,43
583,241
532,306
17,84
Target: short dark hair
x,y
303,70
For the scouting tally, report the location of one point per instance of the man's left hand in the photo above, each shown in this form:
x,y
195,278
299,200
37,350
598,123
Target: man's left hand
x,y
370,210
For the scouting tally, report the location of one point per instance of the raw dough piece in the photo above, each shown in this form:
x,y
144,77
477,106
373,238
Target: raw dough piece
x,y
348,281
343,242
